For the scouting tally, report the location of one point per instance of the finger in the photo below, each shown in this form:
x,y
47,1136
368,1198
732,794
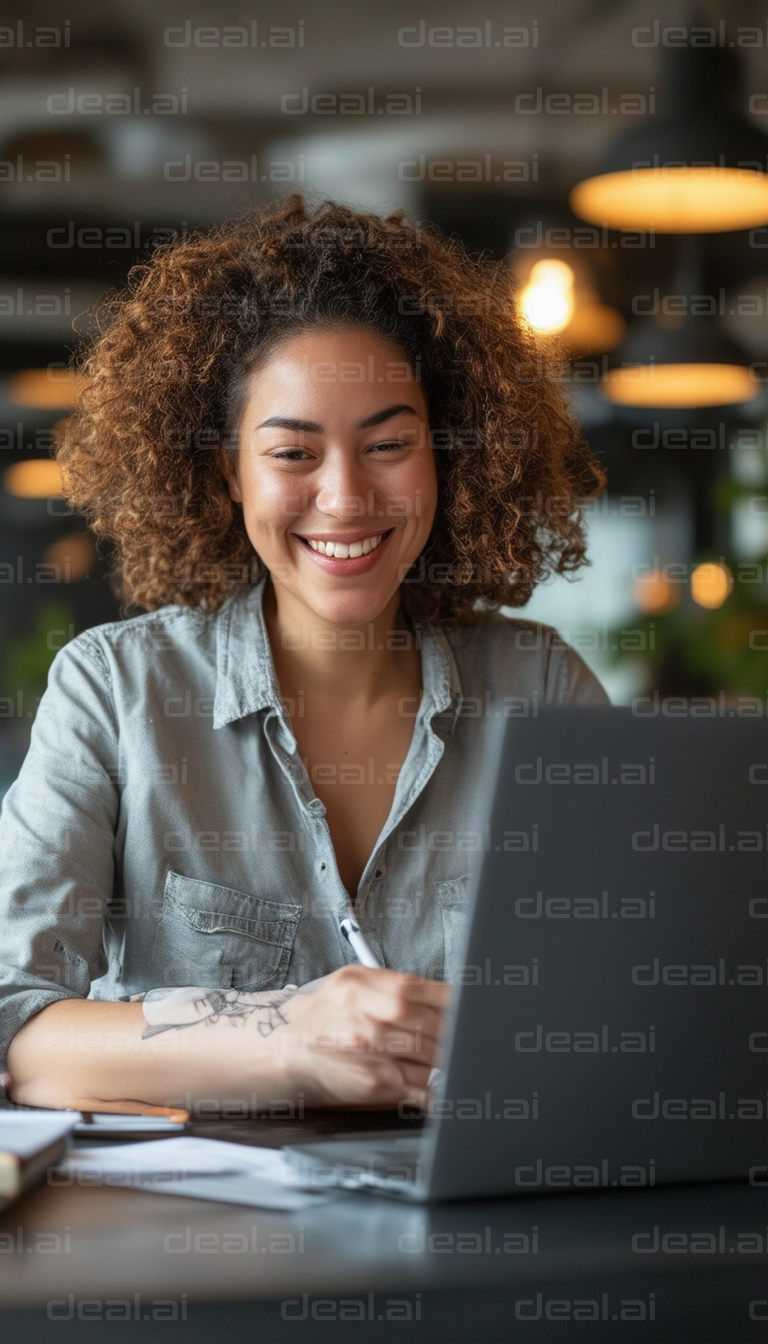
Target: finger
x,y
414,1034
417,1019
376,1039
372,1082
405,1046
374,1010
435,993
415,988
418,989
415,1075
396,1000
361,1035
390,1084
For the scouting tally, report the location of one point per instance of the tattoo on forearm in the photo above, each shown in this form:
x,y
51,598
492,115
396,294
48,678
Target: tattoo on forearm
x,y
175,1009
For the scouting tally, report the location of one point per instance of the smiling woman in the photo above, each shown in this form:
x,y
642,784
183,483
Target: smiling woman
x,y
313,486
326,451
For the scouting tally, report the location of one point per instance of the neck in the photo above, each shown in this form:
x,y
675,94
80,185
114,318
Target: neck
x,y
338,664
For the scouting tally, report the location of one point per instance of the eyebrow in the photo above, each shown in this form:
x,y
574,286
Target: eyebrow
x,y
310,426
387,414
282,422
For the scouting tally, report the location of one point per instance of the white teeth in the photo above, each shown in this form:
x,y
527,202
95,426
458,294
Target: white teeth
x,y
339,550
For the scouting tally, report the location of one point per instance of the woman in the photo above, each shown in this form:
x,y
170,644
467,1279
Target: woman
x,y
327,451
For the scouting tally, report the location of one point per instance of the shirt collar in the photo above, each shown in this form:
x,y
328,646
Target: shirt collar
x,y
245,673
440,675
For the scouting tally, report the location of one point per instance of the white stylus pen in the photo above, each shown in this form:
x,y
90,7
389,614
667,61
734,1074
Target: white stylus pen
x,y
359,946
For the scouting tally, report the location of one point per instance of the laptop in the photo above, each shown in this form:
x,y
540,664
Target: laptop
x,y
609,1028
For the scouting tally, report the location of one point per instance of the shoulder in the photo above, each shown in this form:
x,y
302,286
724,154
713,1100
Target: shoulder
x,y
164,626
138,646
511,655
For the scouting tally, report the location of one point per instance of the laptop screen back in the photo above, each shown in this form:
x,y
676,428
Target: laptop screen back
x,y
612,1023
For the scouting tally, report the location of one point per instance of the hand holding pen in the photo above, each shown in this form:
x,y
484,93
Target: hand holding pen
x,y
361,948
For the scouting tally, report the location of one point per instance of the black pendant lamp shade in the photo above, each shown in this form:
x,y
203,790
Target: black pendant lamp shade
x,y
701,169
687,366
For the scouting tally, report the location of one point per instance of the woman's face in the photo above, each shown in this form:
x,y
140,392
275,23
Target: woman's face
x,y
335,471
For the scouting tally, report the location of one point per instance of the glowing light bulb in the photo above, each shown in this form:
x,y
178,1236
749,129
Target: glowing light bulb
x,y
547,301
710,584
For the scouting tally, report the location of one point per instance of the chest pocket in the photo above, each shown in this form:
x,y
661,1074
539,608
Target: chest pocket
x,y
219,937
453,900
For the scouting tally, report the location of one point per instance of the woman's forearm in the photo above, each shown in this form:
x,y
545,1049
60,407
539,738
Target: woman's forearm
x,y
78,1051
359,1036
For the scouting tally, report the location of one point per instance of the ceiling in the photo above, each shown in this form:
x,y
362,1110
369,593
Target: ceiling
x,y
466,100
145,117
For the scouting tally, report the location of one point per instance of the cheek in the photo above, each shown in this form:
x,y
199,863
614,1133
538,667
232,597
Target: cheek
x,y
421,486
271,502
410,503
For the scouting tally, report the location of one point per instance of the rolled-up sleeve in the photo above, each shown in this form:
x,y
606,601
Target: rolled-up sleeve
x,y
57,836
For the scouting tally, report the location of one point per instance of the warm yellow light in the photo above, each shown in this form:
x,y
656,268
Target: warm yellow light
x,y
711,584
594,327
74,555
547,301
674,200
36,478
679,385
654,594
45,389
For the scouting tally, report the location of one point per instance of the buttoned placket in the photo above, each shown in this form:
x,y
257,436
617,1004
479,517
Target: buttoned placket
x,y
441,692
425,747
282,741
248,683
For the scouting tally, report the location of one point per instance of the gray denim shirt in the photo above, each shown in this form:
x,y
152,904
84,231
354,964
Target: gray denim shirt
x,y
164,831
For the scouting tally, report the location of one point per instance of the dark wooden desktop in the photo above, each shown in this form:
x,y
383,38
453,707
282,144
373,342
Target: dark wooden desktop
x,y
674,1264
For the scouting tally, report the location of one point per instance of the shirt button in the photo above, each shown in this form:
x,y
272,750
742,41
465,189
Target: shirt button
x,y
316,808
322,867
377,873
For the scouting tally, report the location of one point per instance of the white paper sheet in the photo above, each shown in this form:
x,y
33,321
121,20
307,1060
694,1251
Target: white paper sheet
x,y
26,1132
198,1168
241,1188
162,1158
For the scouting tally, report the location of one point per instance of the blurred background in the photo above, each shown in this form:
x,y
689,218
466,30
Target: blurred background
x,y
613,154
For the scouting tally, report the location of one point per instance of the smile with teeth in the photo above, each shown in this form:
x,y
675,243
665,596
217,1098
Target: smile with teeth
x,y
341,550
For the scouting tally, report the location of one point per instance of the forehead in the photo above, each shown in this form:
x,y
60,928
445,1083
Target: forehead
x,y
348,370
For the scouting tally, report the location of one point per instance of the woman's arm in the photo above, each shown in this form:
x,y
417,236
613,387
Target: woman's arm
x,y
57,842
363,1038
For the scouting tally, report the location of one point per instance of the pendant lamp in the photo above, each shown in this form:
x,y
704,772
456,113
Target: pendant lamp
x,y
702,169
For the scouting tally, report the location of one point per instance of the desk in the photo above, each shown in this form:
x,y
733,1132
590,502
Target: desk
x,y
676,1264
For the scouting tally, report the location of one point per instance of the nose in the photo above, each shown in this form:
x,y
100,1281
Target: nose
x,y
342,487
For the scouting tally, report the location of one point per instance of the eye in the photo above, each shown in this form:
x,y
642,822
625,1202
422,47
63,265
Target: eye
x,y
290,455
387,447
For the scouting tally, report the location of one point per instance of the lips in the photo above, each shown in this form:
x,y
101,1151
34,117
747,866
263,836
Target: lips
x,y
355,555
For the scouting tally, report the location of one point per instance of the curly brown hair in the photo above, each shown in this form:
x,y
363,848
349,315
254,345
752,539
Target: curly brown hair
x,y
167,376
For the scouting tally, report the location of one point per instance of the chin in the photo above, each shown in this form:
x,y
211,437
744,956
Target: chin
x,y
348,608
